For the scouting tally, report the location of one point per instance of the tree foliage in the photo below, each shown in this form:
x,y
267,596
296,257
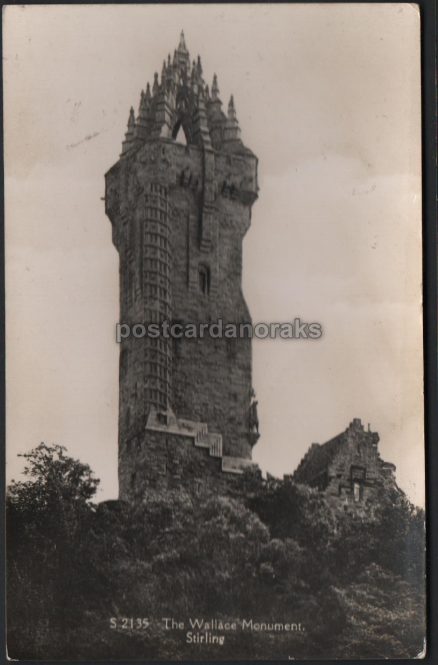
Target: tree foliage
x,y
283,554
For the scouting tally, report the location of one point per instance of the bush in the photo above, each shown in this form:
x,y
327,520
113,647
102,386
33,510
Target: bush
x,y
357,586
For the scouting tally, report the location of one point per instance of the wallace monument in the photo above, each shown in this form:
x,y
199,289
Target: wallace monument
x,y
179,200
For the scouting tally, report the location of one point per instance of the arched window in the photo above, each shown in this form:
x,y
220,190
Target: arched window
x,y
179,133
181,136
204,279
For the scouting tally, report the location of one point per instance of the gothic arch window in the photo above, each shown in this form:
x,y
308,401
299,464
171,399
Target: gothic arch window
x,y
181,136
179,133
204,279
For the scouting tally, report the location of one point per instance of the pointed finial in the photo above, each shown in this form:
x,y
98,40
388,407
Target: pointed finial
x,y
231,129
148,91
182,43
231,109
175,57
207,92
130,132
142,114
201,100
144,102
155,86
215,88
199,66
168,60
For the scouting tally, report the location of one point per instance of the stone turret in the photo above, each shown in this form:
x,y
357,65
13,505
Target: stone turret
x,y
181,98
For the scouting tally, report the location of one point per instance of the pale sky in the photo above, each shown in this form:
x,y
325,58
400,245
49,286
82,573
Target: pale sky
x,y
328,98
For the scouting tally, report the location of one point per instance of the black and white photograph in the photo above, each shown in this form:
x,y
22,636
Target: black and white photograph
x,y
214,341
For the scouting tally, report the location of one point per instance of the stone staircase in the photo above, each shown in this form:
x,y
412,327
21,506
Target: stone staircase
x,y
210,440
202,438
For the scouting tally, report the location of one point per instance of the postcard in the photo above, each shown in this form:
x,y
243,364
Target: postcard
x,y
215,431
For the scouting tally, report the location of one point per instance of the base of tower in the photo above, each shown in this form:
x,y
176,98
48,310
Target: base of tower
x,y
174,453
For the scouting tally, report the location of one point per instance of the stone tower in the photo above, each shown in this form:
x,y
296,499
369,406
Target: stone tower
x,y
179,200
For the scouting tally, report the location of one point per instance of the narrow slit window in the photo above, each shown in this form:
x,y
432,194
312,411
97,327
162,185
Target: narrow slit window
x,y
356,491
204,279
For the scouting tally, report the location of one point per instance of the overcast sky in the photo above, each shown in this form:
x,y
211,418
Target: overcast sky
x,y
328,97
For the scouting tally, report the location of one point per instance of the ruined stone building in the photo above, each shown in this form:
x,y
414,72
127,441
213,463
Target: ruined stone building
x,y
348,468
179,200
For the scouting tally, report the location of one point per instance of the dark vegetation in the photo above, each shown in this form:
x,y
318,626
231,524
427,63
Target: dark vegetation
x,y
356,585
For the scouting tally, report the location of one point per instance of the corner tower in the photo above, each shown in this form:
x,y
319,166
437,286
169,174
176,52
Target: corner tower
x,y
179,200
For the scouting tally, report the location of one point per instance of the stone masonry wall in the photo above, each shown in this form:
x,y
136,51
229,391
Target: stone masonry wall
x,y
166,461
210,379
348,468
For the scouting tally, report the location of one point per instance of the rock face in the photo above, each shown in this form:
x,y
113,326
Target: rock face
x,y
179,212
348,468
